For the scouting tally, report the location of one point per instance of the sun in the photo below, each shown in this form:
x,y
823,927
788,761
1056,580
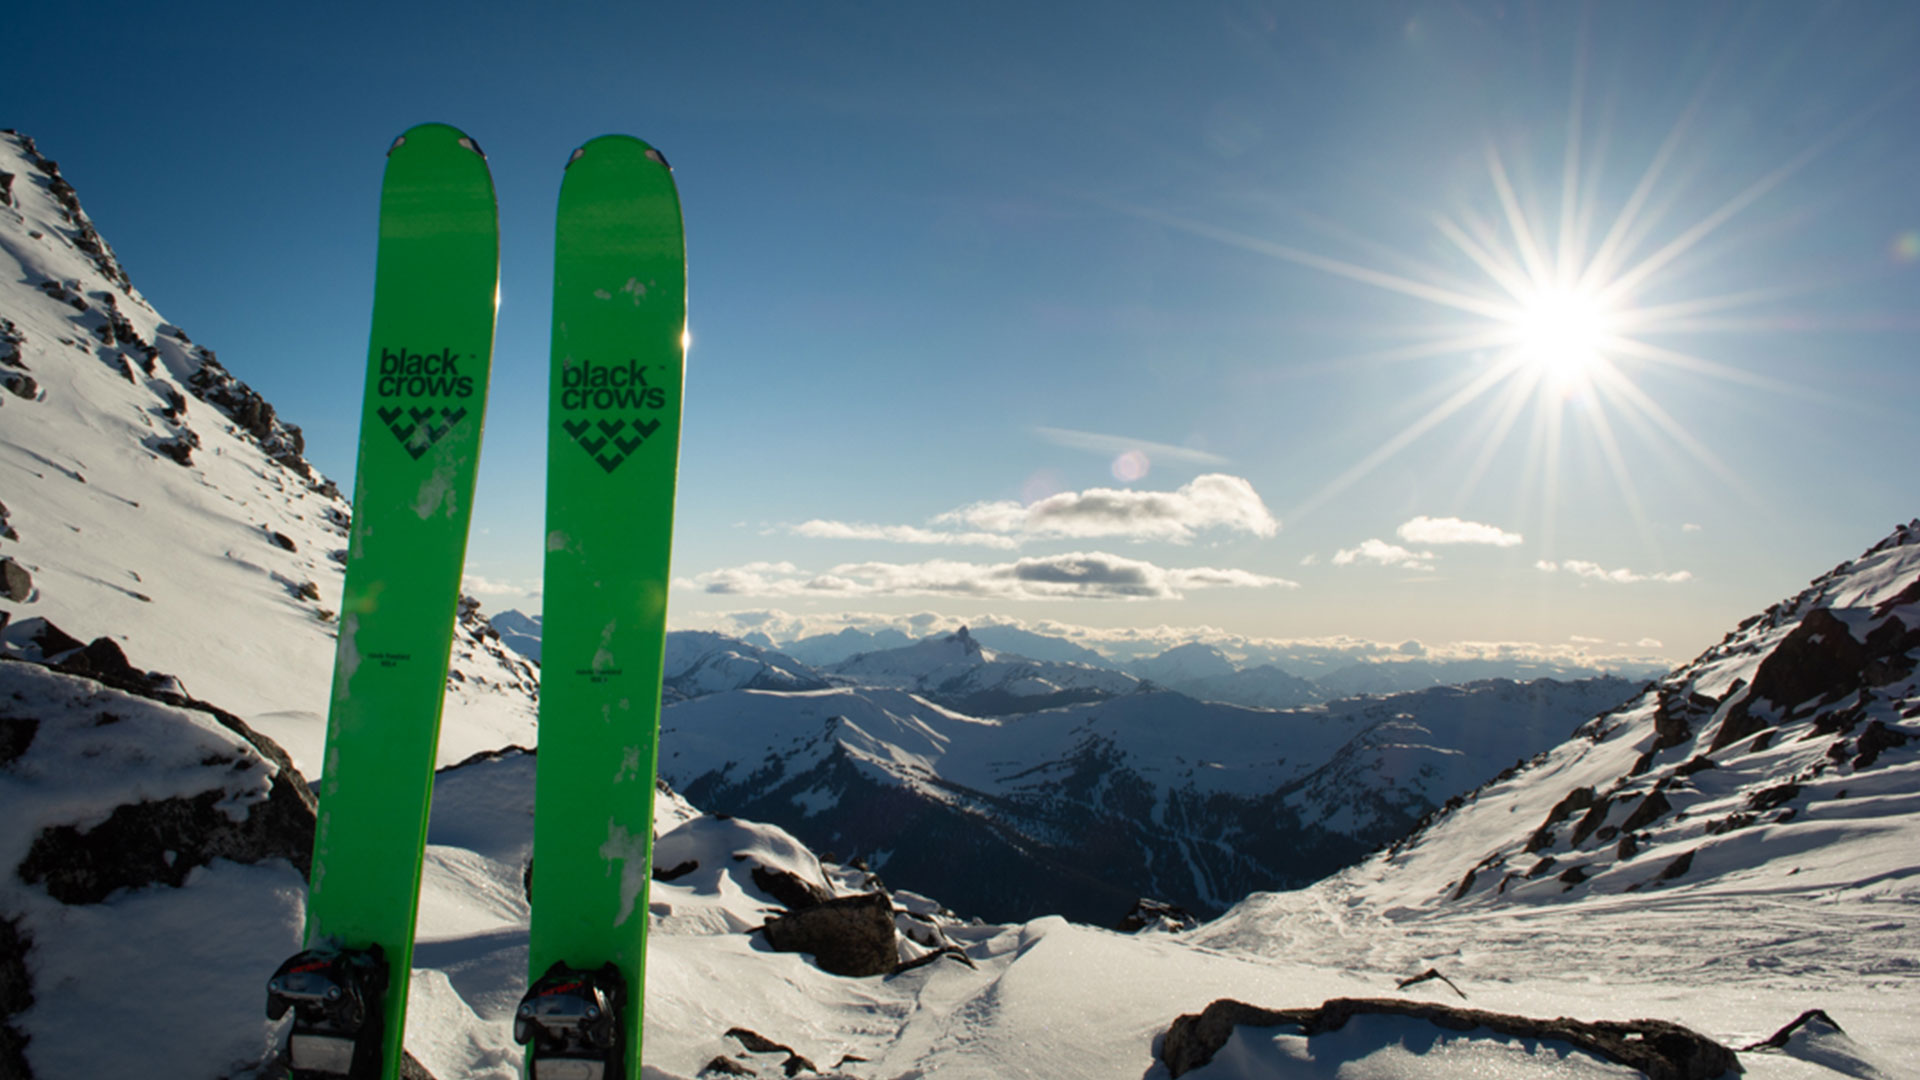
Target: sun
x,y
1562,333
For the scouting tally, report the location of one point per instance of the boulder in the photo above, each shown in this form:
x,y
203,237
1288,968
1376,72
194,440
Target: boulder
x,y
852,935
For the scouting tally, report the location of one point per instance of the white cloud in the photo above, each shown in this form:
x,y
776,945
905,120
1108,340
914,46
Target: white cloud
x,y
475,585
1581,639
899,534
1077,575
1311,558
1211,501
1452,530
1622,576
1649,643
1690,527
1379,551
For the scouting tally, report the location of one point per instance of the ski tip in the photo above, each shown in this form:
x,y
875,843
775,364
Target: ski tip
x,y
437,133
650,151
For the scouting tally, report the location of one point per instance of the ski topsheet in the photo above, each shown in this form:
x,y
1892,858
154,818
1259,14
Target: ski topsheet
x,y
426,389
613,443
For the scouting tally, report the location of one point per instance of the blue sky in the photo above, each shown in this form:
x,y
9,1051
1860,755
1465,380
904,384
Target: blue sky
x,y
1021,310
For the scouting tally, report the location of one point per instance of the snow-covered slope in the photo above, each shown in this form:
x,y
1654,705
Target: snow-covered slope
x,y
1786,755
154,499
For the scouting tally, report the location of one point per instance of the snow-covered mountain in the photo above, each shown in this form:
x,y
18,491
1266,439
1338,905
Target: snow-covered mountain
x,y
519,631
1081,810
700,662
1791,748
154,500
1183,664
826,650
697,662
956,671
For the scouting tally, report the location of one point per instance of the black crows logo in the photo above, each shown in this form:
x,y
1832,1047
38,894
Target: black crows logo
x,y
610,442
416,428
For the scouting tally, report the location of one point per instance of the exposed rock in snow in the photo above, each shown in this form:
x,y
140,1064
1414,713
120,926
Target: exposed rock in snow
x,y
135,823
1657,1049
848,935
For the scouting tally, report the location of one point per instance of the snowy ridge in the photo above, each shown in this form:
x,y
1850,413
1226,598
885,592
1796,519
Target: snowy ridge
x,y
958,672
1787,748
153,499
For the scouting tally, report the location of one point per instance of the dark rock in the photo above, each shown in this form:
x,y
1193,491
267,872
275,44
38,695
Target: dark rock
x,y
1149,912
852,936
1660,1049
1818,659
103,657
1784,1035
1768,798
1677,867
796,892
16,997
1579,798
180,448
1650,810
1629,847
1574,875
1695,764
160,841
1466,885
282,539
15,583
673,873
1595,817
725,1066
755,1043
21,386
1878,738
49,640
16,735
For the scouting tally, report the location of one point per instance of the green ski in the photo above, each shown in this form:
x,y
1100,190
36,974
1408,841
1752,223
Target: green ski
x,y
435,290
613,445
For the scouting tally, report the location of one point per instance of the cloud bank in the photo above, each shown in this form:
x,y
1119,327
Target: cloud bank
x,y
1212,501
1622,576
1075,575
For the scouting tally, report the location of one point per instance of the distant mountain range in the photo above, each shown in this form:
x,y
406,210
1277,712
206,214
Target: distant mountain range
x,y
1197,669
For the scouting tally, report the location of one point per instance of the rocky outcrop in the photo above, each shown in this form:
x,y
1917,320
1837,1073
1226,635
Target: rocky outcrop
x,y
1660,1049
216,386
852,935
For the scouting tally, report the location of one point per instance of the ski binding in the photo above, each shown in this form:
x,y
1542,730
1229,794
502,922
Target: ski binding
x,y
338,1013
572,1019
